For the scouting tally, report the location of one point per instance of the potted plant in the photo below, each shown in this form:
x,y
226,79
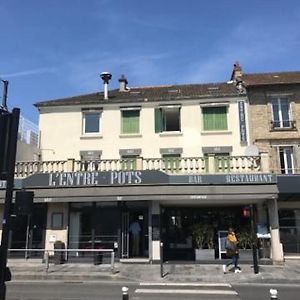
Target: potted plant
x,y
245,244
203,237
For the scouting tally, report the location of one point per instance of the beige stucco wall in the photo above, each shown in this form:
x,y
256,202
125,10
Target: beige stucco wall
x,y
59,234
61,132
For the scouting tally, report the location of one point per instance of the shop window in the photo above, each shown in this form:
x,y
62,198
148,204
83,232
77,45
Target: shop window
x,y
214,118
167,119
289,226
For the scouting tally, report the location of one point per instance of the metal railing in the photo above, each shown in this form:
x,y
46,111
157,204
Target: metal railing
x,y
47,254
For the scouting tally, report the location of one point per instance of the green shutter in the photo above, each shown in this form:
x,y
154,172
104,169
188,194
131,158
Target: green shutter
x,y
130,121
158,120
214,118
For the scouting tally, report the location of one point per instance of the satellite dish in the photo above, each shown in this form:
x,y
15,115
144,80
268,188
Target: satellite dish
x,y
251,150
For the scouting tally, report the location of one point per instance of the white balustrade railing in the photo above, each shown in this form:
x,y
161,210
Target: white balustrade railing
x,y
170,165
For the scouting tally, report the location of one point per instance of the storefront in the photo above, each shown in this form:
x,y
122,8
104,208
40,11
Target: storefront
x,y
289,214
96,210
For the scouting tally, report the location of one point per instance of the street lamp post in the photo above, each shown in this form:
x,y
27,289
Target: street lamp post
x,y
4,99
9,134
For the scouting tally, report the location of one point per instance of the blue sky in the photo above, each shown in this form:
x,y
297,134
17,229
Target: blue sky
x,y
57,48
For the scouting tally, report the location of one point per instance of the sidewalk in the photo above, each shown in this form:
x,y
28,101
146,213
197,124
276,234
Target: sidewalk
x,y
35,270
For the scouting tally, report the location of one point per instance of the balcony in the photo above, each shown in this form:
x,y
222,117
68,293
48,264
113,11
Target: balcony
x,y
182,165
284,125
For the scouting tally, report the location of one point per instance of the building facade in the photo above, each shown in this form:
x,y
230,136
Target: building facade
x,y
178,161
274,110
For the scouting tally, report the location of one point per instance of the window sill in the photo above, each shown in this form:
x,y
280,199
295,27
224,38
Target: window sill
x,y
91,136
283,129
171,133
216,132
130,135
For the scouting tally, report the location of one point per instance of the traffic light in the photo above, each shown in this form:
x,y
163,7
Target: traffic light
x,y
5,129
246,211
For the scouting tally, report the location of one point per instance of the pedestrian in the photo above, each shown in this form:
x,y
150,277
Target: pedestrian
x,y
135,230
232,251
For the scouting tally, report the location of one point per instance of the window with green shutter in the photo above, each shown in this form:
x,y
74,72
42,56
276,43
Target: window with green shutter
x,y
128,163
171,162
167,118
214,118
130,121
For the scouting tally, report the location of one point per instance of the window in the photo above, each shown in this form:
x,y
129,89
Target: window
x,y
128,162
286,160
289,226
221,160
167,119
171,162
91,122
130,121
57,220
281,113
214,118
90,160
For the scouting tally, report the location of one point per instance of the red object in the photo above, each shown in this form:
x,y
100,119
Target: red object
x,y
246,212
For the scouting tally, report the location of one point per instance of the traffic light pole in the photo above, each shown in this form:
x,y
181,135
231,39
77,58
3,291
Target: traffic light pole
x,y
11,158
254,240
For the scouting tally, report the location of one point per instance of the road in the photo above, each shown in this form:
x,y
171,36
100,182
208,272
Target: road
x,y
110,290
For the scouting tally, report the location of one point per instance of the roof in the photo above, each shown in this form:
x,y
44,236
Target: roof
x,y
271,78
150,94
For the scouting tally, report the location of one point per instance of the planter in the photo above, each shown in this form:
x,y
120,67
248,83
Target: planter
x,y
204,254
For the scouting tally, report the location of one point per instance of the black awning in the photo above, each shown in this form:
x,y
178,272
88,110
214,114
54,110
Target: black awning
x,y
288,184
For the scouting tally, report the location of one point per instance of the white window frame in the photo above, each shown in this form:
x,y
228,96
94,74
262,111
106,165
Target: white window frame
x,y
287,169
89,112
279,100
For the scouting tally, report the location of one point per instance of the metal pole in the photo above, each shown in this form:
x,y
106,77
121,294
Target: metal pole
x,y
8,200
27,237
161,260
254,241
112,261
125,293
47,260
273,294
4,99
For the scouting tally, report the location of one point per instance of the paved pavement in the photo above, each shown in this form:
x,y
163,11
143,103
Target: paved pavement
x,y
289,272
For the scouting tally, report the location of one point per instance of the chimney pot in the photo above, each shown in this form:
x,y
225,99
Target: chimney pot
x,y
106,77
123,84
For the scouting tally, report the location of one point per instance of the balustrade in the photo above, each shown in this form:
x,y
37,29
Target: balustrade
x,y
171,165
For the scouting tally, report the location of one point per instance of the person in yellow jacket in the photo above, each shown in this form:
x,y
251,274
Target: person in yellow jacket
x,y
232,251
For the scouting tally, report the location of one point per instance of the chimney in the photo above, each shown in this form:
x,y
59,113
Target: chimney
x,y
123,84
237,72
106,77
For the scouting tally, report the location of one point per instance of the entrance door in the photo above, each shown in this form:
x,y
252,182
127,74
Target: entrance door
x,y
134,234
125,235
28,232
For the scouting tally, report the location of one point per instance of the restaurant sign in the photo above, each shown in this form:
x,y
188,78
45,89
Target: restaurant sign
x,y
73,179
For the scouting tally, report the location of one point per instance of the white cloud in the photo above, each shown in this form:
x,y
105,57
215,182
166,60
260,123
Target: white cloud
x,y
29,72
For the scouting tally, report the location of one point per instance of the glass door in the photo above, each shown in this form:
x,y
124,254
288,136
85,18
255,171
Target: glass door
x,y
125,235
